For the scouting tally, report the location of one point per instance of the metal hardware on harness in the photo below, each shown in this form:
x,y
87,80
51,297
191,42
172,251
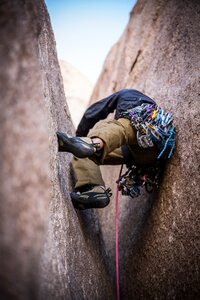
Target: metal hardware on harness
x,y
153,126
137,177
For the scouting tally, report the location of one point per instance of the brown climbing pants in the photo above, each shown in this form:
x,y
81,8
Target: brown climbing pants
x,y
114,133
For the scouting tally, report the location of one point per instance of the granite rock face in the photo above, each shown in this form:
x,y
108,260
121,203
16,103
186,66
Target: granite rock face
x,y
158,54
48,250
24,174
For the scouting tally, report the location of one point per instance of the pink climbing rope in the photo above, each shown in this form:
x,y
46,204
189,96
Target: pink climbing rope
x,y
117,242
117,238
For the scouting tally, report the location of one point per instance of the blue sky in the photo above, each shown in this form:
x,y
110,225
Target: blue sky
x,y
86,30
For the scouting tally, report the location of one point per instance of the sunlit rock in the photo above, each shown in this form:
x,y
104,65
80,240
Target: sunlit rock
x,y
77,88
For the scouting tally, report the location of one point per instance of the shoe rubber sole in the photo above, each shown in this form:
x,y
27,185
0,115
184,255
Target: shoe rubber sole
x,y
90,200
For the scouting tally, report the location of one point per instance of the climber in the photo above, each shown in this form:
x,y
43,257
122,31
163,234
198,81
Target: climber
x,y
140,134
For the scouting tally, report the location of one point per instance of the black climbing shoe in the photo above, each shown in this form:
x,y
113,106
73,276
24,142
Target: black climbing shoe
x,y
80,147
97,197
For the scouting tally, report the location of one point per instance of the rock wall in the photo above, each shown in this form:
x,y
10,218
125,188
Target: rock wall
x,y
158,54
24,173
48,250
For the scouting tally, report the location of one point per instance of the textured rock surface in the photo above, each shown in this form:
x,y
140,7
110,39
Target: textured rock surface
x,y
158,54
70,264
24,187
159,236
77,88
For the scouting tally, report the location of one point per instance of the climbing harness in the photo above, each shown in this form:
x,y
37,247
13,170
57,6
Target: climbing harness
x,y
137,177
153,127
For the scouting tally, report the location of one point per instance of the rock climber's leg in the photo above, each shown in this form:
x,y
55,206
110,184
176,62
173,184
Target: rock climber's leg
x,y
111,135
117,133
114,158
114,134
89,181
86,172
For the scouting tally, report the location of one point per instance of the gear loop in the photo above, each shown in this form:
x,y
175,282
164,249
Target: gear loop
x,y
153,126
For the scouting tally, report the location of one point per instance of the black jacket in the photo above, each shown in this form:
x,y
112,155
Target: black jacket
x,y
121,101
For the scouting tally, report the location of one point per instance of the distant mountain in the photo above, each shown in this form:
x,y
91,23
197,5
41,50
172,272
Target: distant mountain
x,y
78,90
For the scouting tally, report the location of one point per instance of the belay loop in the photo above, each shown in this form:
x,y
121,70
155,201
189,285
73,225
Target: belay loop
x,y
138,177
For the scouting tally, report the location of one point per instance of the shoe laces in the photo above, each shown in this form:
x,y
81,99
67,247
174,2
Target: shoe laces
x,y
108,192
